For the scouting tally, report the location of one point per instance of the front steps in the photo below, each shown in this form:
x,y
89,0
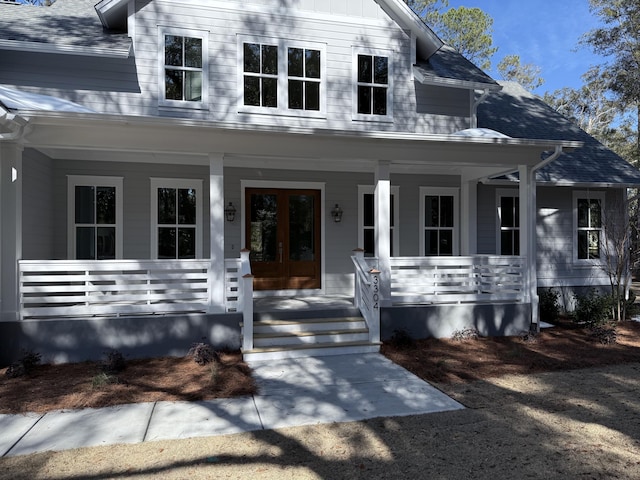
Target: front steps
x,y
310,333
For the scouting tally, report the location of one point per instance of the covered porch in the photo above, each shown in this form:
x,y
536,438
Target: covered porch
x,y
217,285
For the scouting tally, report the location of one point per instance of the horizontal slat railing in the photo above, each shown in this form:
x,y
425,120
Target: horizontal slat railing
x,y
481,278
78,288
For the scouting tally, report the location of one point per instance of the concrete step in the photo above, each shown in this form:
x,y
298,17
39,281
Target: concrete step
x,y
308,325
310,337
310,350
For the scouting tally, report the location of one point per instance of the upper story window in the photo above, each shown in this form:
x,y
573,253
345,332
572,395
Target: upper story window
x,y
440,224
282,77
94,217
373,94
588,208
184,64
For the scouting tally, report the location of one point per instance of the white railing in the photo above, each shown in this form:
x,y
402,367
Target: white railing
x,y
473,279
367,293
80,288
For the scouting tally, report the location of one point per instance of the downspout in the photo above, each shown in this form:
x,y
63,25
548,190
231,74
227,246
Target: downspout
x,y
473,120
532,252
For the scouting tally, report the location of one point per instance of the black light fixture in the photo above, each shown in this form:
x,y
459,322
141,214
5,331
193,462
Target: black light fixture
x,y
336,213
230,212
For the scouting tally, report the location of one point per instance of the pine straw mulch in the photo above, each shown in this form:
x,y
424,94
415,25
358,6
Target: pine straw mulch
x,y
563,347
81,385
440,361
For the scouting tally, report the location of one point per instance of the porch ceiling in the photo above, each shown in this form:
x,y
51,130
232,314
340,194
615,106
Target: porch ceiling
x,y
161,140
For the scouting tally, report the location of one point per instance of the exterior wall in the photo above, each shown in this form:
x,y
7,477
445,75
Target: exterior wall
x,y
131,86
37,206
441,321
554,228
61,341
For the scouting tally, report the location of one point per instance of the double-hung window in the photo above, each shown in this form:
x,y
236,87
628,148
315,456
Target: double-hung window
x,y
509,223
94,217
367,220
588,208
282,77
184,65
176,211
439,221
373,92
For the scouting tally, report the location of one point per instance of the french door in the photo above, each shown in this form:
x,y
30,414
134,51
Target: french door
x,y
282,231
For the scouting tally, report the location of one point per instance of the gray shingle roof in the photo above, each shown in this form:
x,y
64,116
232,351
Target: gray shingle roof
x,y
66,23
448,63
520,114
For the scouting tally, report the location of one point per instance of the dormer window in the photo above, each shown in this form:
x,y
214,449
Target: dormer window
x,y
282,77
372,86
183,68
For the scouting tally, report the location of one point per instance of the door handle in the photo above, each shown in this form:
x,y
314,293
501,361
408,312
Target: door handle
x,y
280,250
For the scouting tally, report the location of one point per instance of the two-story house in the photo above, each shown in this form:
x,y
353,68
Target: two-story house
x,y
165,166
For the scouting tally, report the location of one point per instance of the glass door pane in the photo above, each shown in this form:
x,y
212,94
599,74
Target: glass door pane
x,y
301,227
263,233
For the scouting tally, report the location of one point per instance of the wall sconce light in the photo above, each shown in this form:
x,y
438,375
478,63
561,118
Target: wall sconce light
x,y
230,212
336,213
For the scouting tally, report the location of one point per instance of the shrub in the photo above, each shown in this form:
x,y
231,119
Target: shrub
x,y
27,362
467,333
203,353
401,339
529,336
549,306
113,362
604,335
592,309
102,379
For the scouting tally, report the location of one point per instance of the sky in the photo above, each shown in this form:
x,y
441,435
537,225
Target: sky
x,y
543,32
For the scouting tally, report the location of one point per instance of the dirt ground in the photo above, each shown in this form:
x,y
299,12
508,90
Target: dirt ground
x,y
563,406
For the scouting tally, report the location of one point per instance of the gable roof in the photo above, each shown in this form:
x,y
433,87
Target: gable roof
x,y
67,26
519,114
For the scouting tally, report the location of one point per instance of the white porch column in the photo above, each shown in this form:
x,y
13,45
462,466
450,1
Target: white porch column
x,y
10,228
383,229
216,232
469,217
528,240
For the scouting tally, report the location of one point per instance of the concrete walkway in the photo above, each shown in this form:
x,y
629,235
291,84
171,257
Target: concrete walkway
x,y
292,392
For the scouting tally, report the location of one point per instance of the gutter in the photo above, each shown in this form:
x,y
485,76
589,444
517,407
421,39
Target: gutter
x,y
14,123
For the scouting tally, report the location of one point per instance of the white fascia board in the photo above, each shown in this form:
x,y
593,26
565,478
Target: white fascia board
x,y
427,37
39,47
452,83
106,8
82,119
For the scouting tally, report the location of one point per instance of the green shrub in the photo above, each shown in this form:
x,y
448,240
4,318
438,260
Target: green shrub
x,y
604,335
592,309
549,305
102,379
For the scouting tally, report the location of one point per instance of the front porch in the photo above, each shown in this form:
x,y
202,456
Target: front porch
x,y
133,303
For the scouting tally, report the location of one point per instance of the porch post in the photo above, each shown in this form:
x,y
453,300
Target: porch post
x,y
469,217
383,228
10,228
528,240
216,232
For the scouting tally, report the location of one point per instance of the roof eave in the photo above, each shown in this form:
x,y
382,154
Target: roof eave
x,y
427,38
110,12
82,50
420,76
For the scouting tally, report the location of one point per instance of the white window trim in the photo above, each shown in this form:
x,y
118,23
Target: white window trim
x,y
89,180
182,32
585,194
395,229
176,183
502,192
355,51
441,191
283,90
